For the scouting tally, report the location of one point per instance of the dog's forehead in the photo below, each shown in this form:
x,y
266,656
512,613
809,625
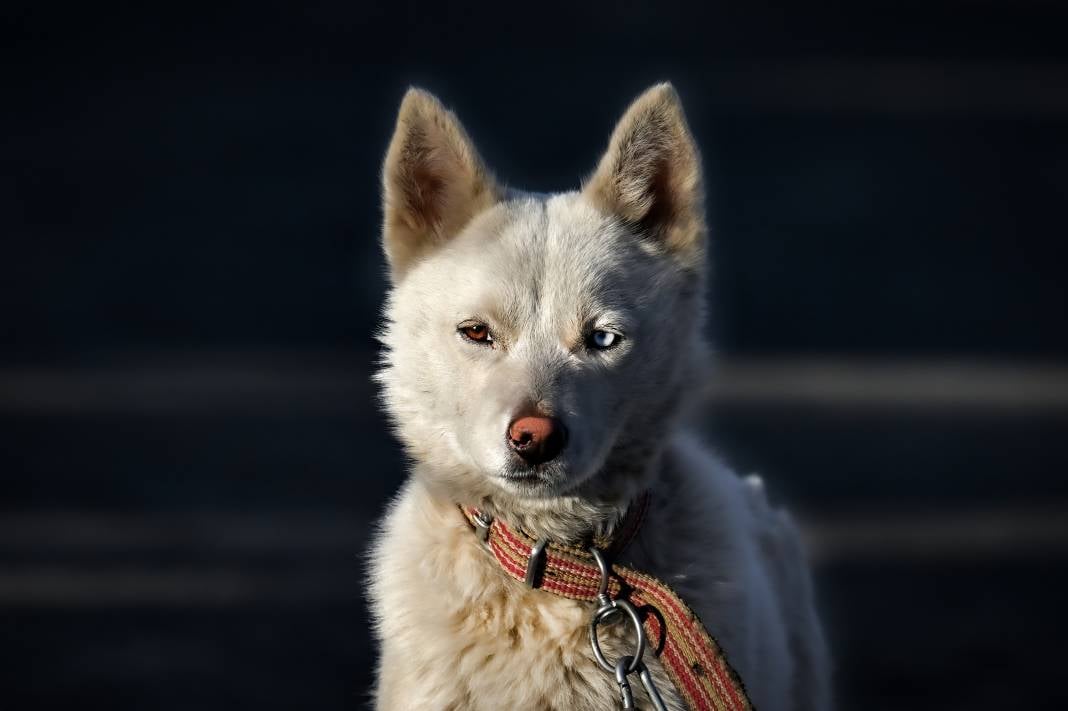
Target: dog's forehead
x,y
532,259
559,242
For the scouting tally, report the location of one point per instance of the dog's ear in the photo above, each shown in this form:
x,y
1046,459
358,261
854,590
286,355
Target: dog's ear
x,y
433,181
651,175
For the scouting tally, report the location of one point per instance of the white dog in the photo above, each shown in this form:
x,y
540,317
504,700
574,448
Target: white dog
x,y
538,353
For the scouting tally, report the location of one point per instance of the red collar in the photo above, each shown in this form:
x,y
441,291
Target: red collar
x,y
566,570
691,657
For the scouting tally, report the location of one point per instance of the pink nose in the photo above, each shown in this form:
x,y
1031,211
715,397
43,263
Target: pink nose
x,y
537,439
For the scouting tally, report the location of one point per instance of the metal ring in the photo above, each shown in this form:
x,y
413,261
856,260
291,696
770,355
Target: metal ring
x,y
602,591
599,616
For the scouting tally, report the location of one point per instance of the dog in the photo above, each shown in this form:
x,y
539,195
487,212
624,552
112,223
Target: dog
x,y
539,353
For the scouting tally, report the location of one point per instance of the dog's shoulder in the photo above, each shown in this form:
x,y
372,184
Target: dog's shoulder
x,y
713,536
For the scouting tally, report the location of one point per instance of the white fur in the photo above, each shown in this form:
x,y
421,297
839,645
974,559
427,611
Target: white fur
x,y
626,252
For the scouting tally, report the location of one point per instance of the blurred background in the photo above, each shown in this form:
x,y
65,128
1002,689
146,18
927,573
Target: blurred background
x,y
190,448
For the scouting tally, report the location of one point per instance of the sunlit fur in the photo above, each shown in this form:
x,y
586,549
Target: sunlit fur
x,y
626,253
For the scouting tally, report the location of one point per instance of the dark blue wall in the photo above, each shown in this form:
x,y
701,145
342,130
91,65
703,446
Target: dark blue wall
x,y
189,277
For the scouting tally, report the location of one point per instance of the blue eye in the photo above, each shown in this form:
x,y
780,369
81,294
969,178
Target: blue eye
x,y
603,340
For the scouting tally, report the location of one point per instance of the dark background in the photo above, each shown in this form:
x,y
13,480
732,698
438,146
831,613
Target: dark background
x,y
190,450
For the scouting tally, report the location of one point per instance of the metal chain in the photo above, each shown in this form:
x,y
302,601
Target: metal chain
x,y
625,665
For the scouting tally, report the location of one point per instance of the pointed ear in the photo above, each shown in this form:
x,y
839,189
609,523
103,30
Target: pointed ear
x,y
433,181
651,175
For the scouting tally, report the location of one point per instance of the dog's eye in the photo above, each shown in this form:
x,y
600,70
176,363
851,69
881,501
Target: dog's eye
x,y
603,340
477,332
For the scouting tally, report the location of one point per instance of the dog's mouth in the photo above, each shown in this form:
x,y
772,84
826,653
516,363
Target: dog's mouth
x,y
529,478
526,483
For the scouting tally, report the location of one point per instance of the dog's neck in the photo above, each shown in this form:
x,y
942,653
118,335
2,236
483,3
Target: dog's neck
x,y
596,509
565,519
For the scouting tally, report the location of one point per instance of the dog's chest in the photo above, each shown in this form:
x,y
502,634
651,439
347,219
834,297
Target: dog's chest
x,y
511,647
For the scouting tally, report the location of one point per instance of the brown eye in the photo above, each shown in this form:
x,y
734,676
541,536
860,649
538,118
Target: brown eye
x,y
477,332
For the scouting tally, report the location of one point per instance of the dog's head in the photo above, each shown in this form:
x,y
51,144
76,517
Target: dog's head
x,y
539,346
